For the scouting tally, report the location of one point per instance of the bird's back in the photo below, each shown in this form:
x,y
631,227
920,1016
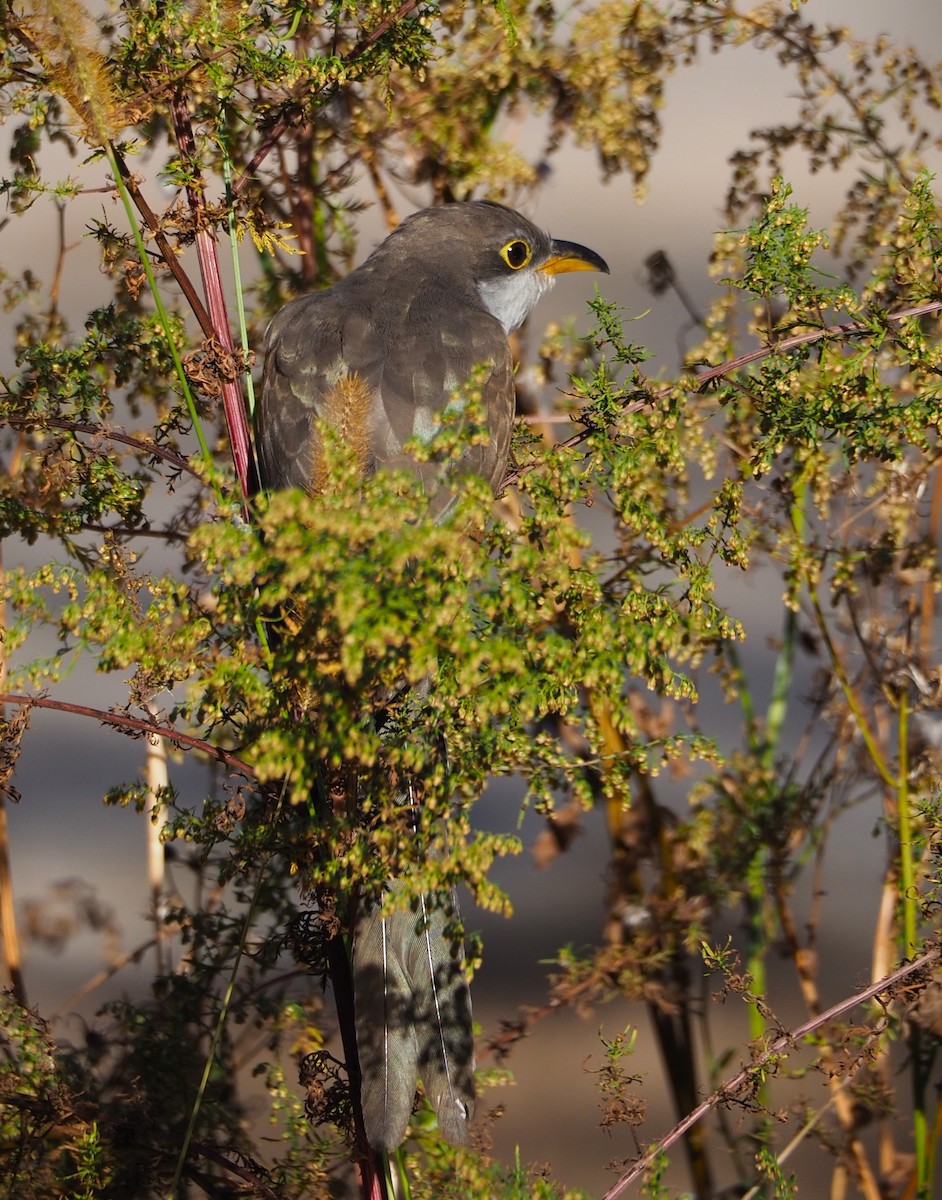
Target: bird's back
x,y
381,367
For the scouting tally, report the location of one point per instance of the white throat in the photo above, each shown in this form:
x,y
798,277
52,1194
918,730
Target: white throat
x,y
511,298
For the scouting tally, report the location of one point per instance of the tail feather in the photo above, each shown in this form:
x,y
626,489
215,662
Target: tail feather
x,y
443,1029
413,1018
387,1046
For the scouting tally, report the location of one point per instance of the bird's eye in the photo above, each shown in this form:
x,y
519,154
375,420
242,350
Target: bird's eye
x,y
516,254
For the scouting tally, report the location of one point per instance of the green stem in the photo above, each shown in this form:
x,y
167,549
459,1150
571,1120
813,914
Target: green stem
x,y
785,662
205,241
910,913
906,857
849,694
236,269
743,692
766,747
755,928
398,1184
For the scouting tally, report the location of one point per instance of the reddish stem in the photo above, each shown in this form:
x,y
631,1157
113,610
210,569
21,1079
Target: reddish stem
x,y
120,721
233,404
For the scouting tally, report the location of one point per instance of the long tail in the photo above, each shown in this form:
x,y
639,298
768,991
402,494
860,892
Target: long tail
x,y
413,1018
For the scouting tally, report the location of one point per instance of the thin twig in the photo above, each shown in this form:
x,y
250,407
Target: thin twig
x,y
141,444
152,728
101,977
845,329
743,1078
809,1125
699,382
254,1179
284,122
167,251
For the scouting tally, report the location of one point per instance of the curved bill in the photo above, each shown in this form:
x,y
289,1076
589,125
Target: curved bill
x,y
570,256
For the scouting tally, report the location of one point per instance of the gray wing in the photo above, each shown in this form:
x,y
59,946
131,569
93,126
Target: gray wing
x,y
380,376
303,364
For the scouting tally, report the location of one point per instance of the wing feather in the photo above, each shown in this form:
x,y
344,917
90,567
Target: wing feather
x,y
409,364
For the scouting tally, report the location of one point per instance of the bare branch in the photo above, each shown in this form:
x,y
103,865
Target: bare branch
x,y
140,444
742,1079
152,728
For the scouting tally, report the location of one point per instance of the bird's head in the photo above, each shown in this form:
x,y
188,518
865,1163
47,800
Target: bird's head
x,y
493,252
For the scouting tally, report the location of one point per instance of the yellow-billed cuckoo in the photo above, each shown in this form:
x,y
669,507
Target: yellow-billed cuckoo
x,y
427,312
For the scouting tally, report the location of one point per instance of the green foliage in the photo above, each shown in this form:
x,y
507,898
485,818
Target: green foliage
x,y
778,252
452,1175
326,649
782,1186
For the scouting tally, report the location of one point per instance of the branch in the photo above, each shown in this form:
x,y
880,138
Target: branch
x,y
167,251
847,329
254,1175
151,728
699,382
285,121
143,445
743,1078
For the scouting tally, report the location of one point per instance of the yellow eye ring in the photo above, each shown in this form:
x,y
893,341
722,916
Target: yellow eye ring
x,y
516,254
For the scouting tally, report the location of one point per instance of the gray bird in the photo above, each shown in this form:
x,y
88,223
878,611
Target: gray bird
x,y
380,355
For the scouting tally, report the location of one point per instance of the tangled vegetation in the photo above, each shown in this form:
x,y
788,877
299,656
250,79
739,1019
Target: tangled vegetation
x,y
799,442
